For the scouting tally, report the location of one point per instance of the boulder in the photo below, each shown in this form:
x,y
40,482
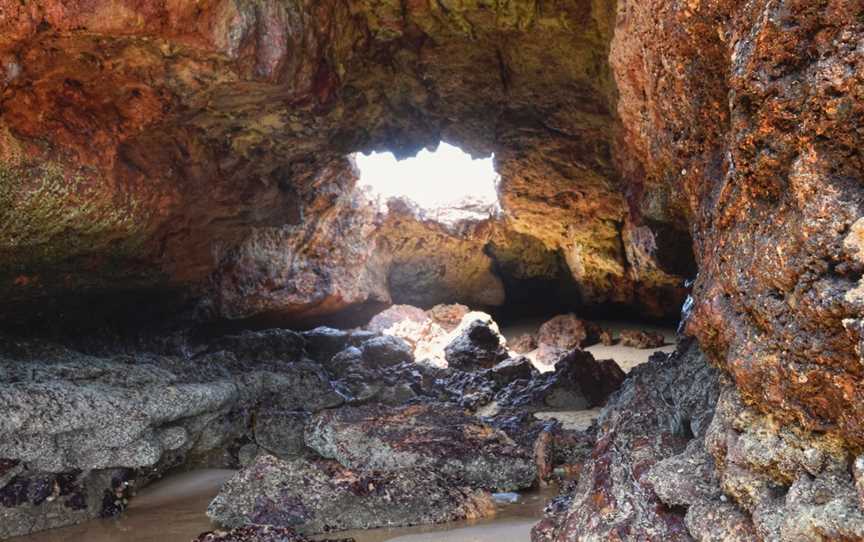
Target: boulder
x,y
448,316
268,345
437,437
426,337
478,345
635,338
320,496
513,369
391,318
324,342
606,338
564,332
523,344
280,432
386,351
578,382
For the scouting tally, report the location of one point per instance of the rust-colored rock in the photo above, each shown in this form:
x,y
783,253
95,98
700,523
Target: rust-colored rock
x,y
448,316
606,338
523,344
660,407
199,151
744,120
564,332
637,338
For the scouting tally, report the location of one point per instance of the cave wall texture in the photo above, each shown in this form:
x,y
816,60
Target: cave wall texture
x,y
753,113
200,149
171,146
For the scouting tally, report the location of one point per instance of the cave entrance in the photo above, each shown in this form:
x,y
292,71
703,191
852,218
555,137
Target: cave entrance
x,y
445,184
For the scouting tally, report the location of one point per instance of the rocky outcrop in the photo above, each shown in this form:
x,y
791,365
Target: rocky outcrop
x,y
754,139
795,484
435,438
662,406
80,429
320,496
564,332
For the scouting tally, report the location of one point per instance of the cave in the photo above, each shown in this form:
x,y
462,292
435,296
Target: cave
x,y
558,271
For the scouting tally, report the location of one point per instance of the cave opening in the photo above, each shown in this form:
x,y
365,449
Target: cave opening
x,y
450,240
444,183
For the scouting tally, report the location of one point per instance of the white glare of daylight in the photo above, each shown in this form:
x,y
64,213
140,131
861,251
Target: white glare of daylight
x,y
442,179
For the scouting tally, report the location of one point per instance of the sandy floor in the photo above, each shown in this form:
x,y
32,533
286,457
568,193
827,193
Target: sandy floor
x,y
626,357
171,510
174,510
512,523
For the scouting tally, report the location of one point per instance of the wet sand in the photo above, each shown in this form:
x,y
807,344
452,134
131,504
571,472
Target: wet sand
x,y
512,523
174,510
171,510
577,420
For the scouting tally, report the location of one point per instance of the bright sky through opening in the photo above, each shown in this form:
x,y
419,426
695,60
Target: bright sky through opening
x,y
442,179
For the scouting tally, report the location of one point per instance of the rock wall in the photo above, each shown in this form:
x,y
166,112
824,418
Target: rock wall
x,y
153,147
750,114
743,119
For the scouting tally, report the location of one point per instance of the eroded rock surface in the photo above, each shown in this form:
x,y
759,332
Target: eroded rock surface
x,y
320,496
638,338
795,484
80,429
662,406
745,119
200,150
434,437
478,345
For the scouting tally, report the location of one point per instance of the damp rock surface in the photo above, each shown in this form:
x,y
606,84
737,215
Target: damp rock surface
x,y
436,437
662,406
319,496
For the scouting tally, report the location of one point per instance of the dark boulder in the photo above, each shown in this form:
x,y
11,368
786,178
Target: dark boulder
x,y
386,351
479,346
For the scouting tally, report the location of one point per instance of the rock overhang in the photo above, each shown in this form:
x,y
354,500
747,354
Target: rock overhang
x,y
143,146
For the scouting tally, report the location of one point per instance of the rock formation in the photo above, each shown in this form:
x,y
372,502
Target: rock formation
x,y
200,151
170,170
350,410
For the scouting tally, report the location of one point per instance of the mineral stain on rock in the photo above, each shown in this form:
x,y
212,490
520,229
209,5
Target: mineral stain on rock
x,y
192,278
